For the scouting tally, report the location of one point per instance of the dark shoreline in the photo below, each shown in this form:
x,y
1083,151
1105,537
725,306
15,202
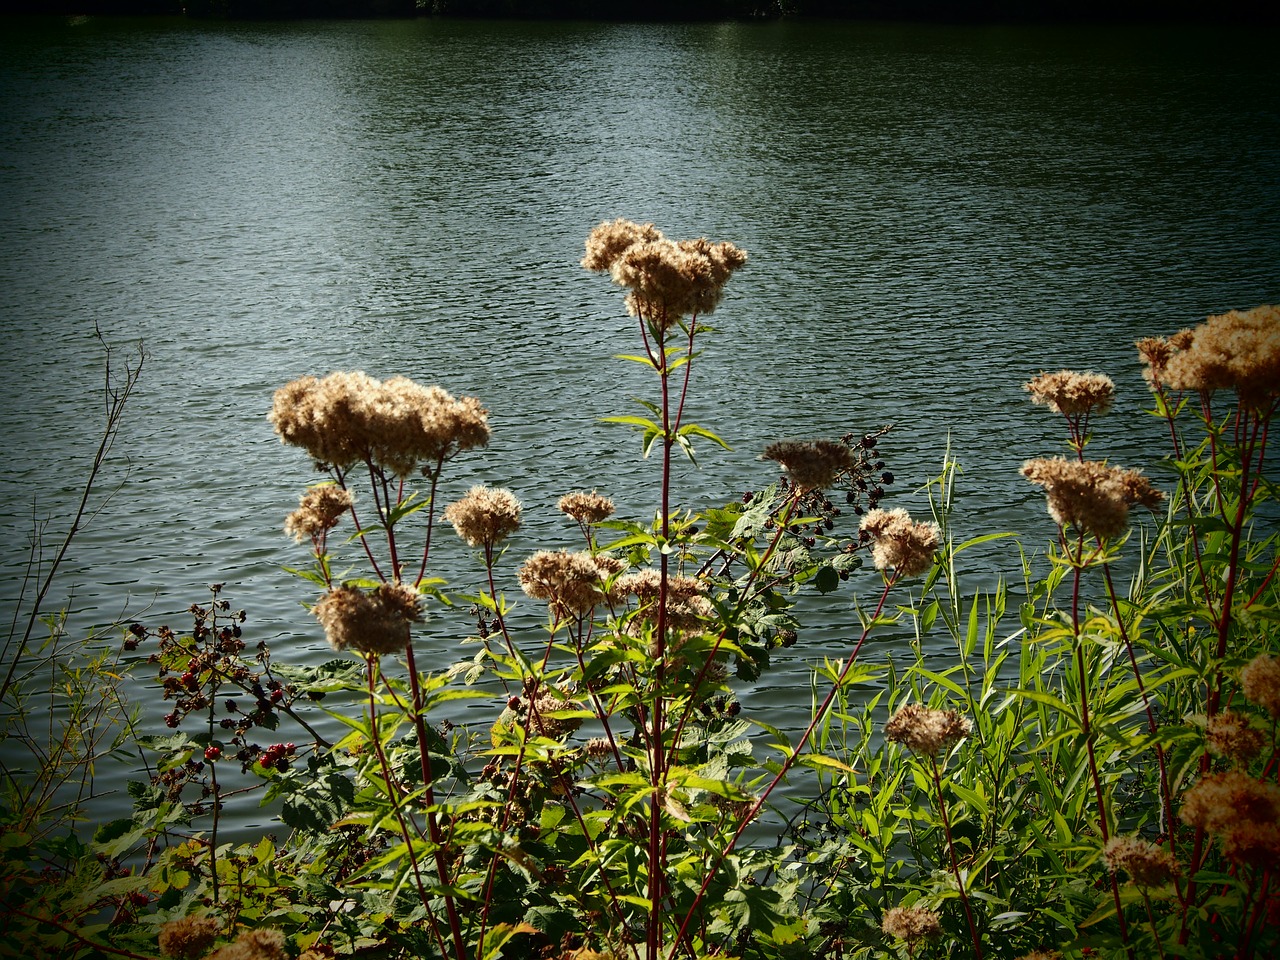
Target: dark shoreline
x,y
989,12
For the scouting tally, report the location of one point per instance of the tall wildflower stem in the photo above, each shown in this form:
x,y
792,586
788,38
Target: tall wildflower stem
x,y
1166,795
657,754
787,763
1086,725
955,863
393,793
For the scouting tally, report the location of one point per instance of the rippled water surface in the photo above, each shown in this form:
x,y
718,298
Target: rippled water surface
x,y
933,215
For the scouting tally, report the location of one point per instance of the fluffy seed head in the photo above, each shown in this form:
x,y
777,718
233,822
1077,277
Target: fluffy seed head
x,y
1145,864
568,582
1241,812
1071,393
587,508
1090,495
1238,350
1260,680
665,279
911,924
927,731
485,516
319,510
813,464
373,623
254,945
900,543
1228,734
348,418
188,938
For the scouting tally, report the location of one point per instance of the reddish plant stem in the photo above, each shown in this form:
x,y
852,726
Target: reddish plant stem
x,y
371,671
788,763
955,863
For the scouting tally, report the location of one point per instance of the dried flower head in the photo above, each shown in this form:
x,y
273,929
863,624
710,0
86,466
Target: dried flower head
x,y
485,516
1260,680
349,418
319,510
1073,394
927,731
587,508
1238,350
1089,495
1228,734
254,945
687,605
569,582
812,465
1241,812
900,543
373,623
1146,864
911,924
544,720
1041,955
188,938
665,279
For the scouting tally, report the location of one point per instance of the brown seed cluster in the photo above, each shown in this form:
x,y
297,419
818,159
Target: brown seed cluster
x,y
254,945
1238,350
1144,863
570,583
1241,812
1073,394
349,418
665,279
911,924
373,623
900,543
688,608
1228,734
485,516
927,731
1260,681
1090,495
188,938
319,510
812,464
587,508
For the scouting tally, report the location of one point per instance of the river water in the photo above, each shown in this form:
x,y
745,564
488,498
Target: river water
x,y
934,215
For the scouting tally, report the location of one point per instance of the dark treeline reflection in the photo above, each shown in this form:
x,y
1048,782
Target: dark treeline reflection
x,y
981,11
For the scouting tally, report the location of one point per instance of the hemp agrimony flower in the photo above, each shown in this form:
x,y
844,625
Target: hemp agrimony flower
x,y
1238,350
319,510
349,418
1260,680
485,516
927,731
911,924
812,465
1090,495
900,543
373,623
1071,393
1145,864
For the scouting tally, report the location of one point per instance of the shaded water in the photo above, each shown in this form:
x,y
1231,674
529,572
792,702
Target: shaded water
x,y
934,215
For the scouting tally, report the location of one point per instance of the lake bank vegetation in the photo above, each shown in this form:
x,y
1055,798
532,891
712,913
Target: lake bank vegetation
x,y
1082,761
